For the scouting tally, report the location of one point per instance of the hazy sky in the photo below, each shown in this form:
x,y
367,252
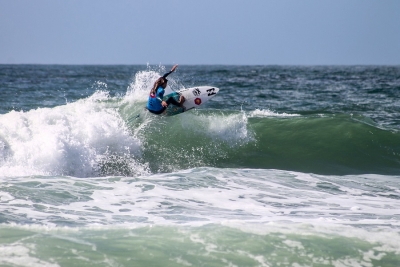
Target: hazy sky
x,y
285,32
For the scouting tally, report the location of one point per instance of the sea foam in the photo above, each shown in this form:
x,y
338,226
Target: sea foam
x,y
74,139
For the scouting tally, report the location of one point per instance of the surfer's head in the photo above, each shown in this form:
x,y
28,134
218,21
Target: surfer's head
x,y
160,82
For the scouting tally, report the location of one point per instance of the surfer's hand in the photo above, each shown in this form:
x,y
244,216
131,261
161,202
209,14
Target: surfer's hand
x,y
164,104
174,67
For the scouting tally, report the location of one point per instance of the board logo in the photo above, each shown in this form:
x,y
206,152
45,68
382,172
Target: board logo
x,y
211,91
196,92
197,101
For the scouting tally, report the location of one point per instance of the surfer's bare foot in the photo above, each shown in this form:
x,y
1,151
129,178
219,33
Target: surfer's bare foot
x,y
181,100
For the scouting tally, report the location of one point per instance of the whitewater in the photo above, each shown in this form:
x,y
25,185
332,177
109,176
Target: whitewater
x,y
286,166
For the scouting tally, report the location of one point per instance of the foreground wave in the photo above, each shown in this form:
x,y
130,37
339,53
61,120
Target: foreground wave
x,y
202,196
214,245
202,216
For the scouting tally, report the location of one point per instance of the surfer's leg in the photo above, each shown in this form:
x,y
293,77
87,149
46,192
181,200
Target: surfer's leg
x,y
172,101
181,100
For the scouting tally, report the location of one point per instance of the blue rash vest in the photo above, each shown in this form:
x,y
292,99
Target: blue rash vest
x,y
154,103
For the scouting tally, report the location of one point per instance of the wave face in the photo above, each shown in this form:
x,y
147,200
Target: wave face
x,y
285,166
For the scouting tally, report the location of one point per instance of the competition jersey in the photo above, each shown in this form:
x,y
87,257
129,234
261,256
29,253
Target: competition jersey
x,y
155,100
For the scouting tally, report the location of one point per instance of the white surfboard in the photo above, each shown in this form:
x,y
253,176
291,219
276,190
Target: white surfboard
x,y
194,97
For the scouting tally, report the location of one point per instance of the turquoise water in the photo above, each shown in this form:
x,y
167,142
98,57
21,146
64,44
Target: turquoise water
x,y
286,166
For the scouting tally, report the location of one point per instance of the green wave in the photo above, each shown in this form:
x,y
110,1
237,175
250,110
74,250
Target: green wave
x,y
326,145
323,144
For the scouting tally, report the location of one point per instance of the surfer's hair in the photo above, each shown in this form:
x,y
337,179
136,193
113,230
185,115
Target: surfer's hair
x,y
159,82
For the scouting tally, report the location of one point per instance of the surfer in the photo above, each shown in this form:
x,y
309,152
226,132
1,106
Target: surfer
x,y
156,104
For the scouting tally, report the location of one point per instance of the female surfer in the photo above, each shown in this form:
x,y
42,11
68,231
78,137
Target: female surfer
x,y
156,104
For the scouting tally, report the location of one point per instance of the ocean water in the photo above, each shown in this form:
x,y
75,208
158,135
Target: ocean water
x,y
286,166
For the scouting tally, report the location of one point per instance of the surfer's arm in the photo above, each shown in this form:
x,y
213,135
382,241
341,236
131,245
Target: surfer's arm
x,y
163,103
171,71
160,94
159,97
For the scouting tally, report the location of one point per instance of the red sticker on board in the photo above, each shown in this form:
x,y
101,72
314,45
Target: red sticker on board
x,y
197,101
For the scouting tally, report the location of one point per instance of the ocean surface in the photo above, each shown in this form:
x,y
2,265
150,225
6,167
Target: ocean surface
x,y
285,166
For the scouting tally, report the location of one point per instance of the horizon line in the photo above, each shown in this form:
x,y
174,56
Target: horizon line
x,y
191,64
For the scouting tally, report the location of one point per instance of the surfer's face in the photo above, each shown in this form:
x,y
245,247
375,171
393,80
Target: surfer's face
x,y
164,84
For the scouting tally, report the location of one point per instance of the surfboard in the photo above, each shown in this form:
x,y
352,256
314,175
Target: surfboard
x,y
194,97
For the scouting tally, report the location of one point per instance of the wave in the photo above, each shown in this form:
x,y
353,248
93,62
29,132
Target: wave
x,y
212,245
329,144
325,144
77,139
103,135
216,211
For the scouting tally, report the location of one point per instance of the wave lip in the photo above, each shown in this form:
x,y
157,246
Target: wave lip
x,y
269,113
